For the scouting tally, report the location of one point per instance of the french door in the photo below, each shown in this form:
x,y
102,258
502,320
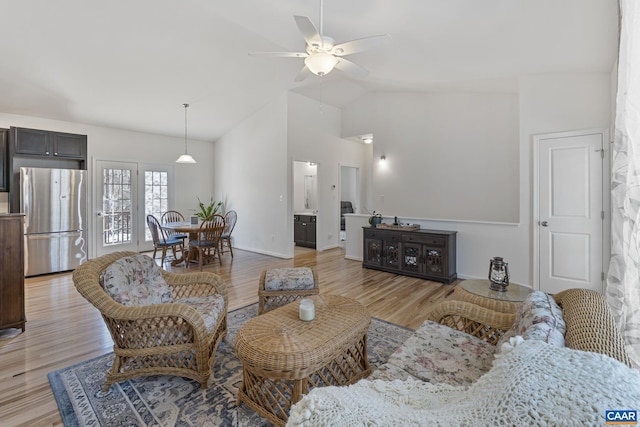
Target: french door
x,y
125,193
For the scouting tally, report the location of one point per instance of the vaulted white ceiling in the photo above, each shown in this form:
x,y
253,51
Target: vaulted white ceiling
x,y
131,64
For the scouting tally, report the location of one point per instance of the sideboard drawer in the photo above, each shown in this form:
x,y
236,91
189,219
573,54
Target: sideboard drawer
x,y
434,241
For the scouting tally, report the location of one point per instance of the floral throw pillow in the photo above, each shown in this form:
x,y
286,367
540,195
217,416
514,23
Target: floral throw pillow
x,y
284,279
540,318
135,281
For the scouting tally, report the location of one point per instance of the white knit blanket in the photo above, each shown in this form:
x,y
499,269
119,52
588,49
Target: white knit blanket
x,y
534,384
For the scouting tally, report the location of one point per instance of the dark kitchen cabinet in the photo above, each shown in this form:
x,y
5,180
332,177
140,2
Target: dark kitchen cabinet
x,y
428,254
304,230
41,149
43,143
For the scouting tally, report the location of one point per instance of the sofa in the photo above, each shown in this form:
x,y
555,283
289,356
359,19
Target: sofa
x,y
560,360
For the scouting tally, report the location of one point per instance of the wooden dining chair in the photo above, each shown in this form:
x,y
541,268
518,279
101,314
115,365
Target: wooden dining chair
x,y
209,238
230,219
173,216
161,240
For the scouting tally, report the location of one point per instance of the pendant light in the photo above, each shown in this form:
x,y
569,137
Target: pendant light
x,y
186,157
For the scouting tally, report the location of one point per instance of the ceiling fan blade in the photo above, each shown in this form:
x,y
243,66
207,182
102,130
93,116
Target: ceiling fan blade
x,y
280,54
359,45
303,74
352,69
308,30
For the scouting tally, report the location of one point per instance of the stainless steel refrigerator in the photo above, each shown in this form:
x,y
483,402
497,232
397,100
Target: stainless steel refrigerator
x,y
55,207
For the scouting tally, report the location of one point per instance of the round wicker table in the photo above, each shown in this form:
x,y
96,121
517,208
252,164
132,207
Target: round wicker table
x,y
478,292
283,356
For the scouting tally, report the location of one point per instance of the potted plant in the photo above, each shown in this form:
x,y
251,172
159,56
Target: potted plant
x,y
375,219
205,211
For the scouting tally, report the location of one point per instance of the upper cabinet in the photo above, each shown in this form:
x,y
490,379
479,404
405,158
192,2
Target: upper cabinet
x,y
42,143
40,149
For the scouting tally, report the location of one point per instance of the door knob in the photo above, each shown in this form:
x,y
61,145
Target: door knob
x,y
544,224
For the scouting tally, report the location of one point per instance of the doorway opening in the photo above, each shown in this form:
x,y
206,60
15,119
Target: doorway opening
x,y
349,196
305,203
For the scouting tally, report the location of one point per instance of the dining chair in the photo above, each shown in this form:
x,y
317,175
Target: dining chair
x,y
173,216
209,238
230,219
161,240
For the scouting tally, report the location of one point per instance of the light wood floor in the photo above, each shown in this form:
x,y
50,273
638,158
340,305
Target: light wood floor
x,y
63,329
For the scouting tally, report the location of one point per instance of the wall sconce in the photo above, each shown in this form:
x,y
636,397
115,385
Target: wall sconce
x,y
383,159
498,274
367,139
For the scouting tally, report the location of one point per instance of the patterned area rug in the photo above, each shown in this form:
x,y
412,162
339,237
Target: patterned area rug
x,y
175,401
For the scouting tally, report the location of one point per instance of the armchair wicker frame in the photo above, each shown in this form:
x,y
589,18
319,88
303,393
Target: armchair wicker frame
x,y
161,339
590,324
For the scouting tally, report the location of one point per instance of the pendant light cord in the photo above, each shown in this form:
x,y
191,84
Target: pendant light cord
x,y
185,127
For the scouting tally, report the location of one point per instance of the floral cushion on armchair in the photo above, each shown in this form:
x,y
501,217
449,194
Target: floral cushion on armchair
x,y
439,354
135,281
539,318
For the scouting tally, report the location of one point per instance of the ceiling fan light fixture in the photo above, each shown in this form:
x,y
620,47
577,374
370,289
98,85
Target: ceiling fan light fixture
x,y
320,63
186,157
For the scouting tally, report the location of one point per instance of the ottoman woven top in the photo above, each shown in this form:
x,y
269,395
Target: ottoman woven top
x,y
288,279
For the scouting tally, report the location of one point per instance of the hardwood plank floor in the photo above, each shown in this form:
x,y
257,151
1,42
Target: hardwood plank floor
x,y
63,329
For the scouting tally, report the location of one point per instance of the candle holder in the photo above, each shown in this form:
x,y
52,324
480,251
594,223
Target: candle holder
x,y
498,274
307,310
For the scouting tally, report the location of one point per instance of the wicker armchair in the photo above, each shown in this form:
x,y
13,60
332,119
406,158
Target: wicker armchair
x,y
590,324
159,339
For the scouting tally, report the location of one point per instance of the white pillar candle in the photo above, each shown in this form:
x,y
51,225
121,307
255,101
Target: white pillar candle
x,y
307,310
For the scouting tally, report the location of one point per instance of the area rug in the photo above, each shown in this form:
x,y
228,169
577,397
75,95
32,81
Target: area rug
x,y
164,400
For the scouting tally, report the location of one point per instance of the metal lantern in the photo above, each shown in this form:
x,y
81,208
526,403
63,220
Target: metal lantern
x,y
498,274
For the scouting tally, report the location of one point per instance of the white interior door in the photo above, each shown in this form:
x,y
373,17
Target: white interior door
x,y
570,211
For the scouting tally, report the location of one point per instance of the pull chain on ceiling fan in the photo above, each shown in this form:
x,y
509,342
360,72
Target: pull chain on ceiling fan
x,y
323,55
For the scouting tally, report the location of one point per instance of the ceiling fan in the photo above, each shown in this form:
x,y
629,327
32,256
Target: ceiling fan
x,y
323,55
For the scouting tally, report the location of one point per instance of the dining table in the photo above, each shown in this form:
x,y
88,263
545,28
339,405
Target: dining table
x,y
192,230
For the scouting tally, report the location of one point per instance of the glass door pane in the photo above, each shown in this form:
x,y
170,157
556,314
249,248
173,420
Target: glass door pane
x,y
116,226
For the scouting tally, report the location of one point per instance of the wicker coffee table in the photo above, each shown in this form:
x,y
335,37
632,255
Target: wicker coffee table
x,y
283,356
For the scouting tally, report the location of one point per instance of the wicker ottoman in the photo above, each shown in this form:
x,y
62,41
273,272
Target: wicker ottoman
x,y
284,357
280,286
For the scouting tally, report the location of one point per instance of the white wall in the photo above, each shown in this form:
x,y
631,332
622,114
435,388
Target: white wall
x,y
314,135
448,156
554,103
250,165
105,143
253,165
545,103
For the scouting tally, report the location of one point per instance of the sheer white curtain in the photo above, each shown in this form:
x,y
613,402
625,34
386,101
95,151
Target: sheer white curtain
x,y
623,281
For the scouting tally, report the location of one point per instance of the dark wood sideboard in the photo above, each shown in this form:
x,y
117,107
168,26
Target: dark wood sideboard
x,y
12,313
428,254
